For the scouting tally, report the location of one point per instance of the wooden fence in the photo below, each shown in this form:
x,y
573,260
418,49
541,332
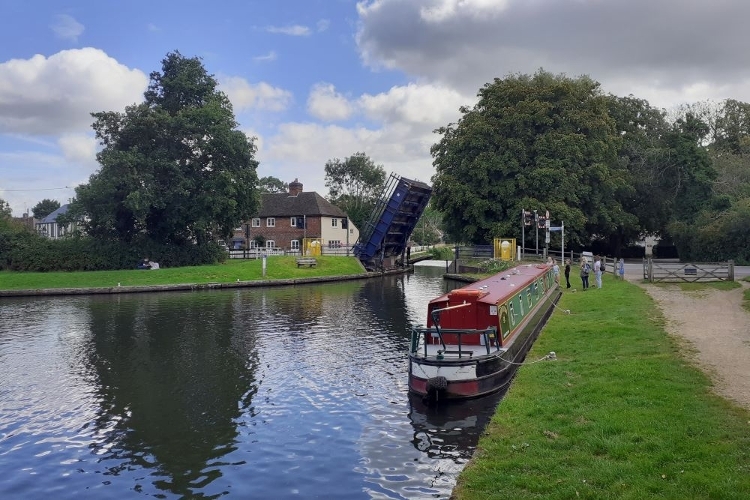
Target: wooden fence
x,y
657,271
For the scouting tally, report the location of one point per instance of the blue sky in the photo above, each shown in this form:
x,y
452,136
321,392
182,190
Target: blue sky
x,y
321,79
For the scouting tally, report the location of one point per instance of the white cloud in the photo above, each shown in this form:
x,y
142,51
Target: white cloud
x,y
57,94
294,30
673,49
245,95
400,138
301,150
440,10
323,25
67,28
271,56
430,105
326,104
79,148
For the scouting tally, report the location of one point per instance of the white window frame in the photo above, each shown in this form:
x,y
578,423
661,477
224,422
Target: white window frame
x,y
293,221
294,245
334,222
256,222
271,222
270,244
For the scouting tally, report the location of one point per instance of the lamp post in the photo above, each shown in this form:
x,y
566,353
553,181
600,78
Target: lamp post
x,y
536,223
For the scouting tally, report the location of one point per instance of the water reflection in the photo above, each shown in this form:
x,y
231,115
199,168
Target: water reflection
x,y
162,366
450,431
293,392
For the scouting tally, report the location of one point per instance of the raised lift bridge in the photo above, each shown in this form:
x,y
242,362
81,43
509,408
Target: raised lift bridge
x,y
384,238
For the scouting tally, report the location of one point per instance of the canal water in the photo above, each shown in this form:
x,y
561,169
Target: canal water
x,y
276,393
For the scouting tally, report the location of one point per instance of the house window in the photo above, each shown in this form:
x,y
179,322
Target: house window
x,y
334,222
293,221
270,244
256,222
271,222
253,244
295,245
334,244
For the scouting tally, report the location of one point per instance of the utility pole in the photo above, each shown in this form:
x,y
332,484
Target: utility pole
x,y
536,223
523,230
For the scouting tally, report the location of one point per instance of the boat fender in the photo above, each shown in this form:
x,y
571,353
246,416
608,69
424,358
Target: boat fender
x,y
438,383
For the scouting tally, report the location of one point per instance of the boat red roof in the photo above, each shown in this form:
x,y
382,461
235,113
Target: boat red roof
x,y
499,286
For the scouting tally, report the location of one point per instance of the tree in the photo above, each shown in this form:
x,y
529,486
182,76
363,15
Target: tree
x,y
354,185
44,208
5,211
539,142
272,185
174,168
645,157
428,229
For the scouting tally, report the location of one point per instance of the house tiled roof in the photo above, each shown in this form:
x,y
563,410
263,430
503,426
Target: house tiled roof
x,y
52,218
308,204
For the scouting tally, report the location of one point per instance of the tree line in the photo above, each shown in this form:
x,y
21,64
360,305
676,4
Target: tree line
x,y
612,168
176,174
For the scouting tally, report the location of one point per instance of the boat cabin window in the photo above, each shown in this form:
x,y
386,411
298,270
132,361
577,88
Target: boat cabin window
x,y
512,314
520,302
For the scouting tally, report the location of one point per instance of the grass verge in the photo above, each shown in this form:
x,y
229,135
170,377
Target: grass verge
x,y
277,267
620,414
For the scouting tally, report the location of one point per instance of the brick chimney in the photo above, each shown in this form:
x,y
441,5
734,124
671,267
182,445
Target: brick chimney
x,y
295,188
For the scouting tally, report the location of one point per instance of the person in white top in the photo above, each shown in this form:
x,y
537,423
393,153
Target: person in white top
x,y
598,271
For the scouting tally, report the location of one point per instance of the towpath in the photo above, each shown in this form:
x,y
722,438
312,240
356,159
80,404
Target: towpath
x,y
716,329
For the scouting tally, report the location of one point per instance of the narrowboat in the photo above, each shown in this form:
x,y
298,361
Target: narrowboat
x,y
477,335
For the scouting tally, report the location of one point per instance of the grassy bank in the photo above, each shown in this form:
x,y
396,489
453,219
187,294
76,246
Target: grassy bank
x,y
277,267
620,414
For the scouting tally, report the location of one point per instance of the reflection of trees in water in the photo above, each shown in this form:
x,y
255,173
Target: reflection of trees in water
x,y
170,377
451,431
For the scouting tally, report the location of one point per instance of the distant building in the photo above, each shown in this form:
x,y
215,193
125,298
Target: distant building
x,y
285,220
27,221
49,227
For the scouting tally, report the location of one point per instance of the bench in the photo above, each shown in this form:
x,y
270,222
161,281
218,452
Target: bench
x,y
307,261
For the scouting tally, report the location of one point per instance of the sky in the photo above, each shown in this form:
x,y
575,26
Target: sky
x,y
314,80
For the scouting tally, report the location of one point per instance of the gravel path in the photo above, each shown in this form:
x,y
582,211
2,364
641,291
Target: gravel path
x,y
721,344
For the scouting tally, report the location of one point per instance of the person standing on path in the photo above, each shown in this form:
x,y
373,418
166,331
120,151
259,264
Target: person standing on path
x,y
585,269
567,273
556,270
621,268
598,271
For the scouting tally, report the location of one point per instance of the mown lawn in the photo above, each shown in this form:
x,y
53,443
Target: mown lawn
x,y
619,414
277,267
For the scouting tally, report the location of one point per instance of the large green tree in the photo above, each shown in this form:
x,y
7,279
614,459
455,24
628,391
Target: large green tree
x,y
645,157
174,168
44,208
354,185
540,142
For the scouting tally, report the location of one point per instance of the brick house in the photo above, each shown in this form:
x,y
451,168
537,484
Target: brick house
x,y
286,220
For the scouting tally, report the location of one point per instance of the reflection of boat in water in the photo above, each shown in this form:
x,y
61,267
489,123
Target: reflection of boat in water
x,y
451,431
477,335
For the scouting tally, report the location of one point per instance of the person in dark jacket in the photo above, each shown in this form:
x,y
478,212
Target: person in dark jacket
x,y
567,273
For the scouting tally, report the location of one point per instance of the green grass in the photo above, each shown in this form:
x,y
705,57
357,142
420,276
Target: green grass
x,y
620,414
277,267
